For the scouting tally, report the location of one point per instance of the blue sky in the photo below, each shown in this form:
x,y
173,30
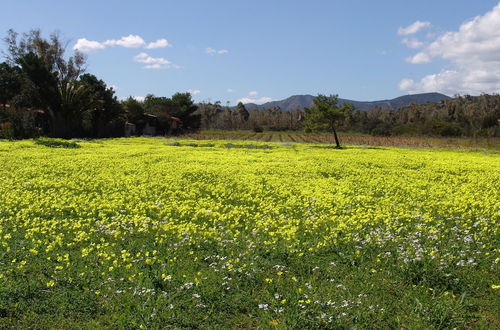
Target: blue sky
x,y
269,50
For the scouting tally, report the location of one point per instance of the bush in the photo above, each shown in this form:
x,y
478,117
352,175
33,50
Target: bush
x,y
446,129
6,131
56,143
247,146
382,129
258,129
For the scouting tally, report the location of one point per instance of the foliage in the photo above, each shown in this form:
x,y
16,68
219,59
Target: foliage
x,y
6,131
104,111
50,51
134,109
180,105
326,115
53,92
216,116
242,111
460,116
133,233
10,83
56,143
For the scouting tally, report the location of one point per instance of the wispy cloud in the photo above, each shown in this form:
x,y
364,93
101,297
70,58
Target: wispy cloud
x,y
473,55
213,51
193,91
412,42
413,28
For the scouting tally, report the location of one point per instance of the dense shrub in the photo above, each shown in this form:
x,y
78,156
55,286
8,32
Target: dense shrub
x,y
6,131
446,129
56,143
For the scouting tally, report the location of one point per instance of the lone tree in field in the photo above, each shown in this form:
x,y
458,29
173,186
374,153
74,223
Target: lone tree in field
x,y
325,114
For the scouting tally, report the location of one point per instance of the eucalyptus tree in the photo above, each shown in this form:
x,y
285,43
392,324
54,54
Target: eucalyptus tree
x,y
53,76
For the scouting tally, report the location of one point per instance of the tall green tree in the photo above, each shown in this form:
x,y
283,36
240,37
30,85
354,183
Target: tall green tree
x,y
64,102
185,110
325,114
134,109
51,51
53,75
10,83
180,105
104,109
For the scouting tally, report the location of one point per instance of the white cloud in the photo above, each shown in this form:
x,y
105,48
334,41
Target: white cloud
x,y
85,45
114,87
406,84
139,98
193,91
474,54
212,51
252,98
145,58
412,42
260,100
230,90
154,62
413,28
130,41
160,43
418,58
155,66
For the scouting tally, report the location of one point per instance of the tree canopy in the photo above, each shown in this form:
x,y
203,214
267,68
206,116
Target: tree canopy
x,y
325,114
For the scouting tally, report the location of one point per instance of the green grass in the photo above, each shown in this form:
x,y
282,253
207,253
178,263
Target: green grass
x,y
155,233
56,143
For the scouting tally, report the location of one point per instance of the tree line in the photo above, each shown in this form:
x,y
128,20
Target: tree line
x,y
459,116
45,92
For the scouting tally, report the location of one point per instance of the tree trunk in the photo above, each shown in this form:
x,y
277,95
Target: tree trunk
x,y
337,142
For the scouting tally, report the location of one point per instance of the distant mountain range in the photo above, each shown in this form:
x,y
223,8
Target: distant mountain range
x,y
301,101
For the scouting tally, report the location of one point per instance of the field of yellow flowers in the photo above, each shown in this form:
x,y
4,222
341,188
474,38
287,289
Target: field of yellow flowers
x,y
155,233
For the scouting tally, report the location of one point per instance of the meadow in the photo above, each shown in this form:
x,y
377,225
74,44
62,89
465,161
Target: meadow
x,y
351,138
160,233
